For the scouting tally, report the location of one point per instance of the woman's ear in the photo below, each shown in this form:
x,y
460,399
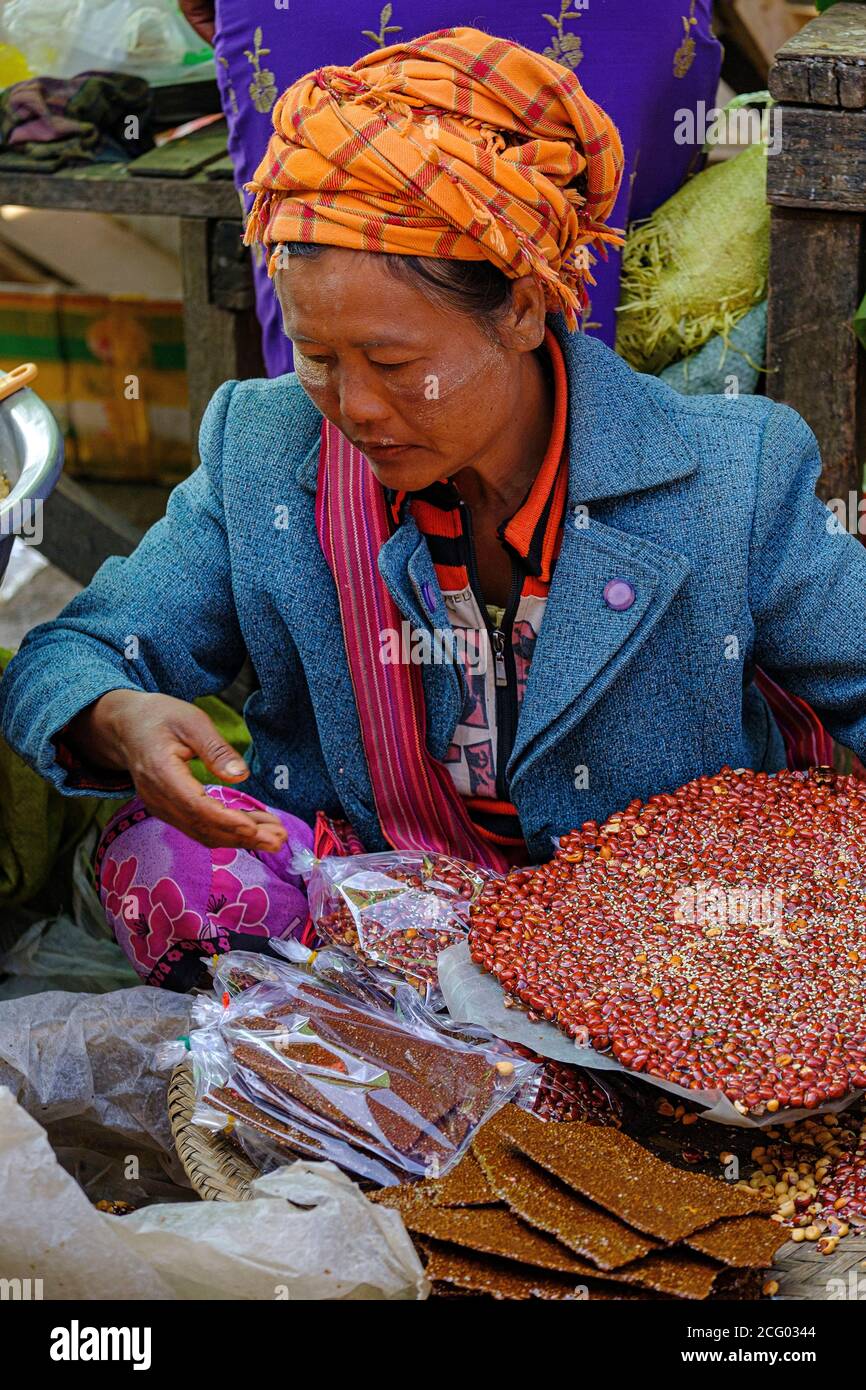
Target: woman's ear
x,y
523,326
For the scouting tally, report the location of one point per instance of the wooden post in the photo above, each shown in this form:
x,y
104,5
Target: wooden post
x,y
816,185
221,332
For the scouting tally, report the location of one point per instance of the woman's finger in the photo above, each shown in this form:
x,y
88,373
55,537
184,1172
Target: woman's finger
x,y
170,791
268,821
196,731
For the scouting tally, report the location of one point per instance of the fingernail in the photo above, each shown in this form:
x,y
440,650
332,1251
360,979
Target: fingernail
x,y
235,767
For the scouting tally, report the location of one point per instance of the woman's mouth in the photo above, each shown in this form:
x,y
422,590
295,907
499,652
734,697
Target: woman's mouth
x,y
385,453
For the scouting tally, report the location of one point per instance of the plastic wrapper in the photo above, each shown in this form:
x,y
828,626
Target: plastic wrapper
x,y
300,1067
235,971
564,1093
478,998
55,953
396,910
306,1233
84,1066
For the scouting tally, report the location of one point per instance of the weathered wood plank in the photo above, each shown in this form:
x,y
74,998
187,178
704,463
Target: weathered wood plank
x,y
852,84
789,81
822,160
117,192
815,363
178,159
231,281
820,82
825,64
838,33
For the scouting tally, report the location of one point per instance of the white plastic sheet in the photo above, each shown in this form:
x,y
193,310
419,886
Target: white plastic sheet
x,y
58,954
473,996
84,1066
307,1233
49,1229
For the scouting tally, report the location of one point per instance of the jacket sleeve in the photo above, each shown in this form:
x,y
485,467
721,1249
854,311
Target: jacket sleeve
x,y
807,584
162,619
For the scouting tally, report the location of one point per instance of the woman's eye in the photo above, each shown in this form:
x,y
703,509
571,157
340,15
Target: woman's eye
x,y
390,366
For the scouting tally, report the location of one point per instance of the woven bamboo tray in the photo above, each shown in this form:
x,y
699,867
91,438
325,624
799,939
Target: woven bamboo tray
x,y
803,1273
219,1173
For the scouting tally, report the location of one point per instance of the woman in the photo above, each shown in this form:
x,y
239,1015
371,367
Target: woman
x,y
643,63
492,582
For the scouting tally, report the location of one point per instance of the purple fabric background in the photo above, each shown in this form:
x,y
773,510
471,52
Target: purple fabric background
x,y
625,60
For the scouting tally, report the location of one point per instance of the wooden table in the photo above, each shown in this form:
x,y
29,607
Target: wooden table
x,y
189,178
817,189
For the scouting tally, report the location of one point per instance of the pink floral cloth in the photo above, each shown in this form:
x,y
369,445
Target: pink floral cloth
x,y
170,901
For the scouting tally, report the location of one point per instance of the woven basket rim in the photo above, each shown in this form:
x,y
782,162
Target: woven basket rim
x,y
215,1168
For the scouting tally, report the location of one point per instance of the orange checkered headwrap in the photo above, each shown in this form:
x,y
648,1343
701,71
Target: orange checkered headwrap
x,y
456,144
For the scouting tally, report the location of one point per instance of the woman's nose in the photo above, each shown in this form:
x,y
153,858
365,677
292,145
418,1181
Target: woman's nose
x,y
360,402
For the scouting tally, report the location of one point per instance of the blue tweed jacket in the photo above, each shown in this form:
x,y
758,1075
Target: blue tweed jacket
x,y
705,504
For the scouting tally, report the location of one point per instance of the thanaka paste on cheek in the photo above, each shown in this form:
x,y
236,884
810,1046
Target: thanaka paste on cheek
x,y
310,374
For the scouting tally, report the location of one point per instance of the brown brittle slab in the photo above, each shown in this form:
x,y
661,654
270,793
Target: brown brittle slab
x,y
624,1178
227,1099
548,1205
404,1194
464,1186
492,1231
743,1242
450,1268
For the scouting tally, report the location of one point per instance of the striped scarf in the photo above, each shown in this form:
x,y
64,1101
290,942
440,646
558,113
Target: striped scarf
x,y
416,802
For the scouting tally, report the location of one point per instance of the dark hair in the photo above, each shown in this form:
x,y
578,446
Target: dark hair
x,y
476,288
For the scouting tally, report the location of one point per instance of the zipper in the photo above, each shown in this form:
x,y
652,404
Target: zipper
x,y
497,638
504,667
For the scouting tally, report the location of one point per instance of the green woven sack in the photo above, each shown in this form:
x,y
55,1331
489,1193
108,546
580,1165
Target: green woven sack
x,y
698,265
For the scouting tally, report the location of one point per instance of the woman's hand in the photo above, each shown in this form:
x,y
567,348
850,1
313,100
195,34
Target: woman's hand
x,y
154,738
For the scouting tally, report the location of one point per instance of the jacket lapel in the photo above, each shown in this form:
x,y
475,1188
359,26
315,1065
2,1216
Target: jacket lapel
x,y
620,442
583,644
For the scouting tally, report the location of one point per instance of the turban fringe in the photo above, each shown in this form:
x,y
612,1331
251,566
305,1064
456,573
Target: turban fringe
x,y
454,145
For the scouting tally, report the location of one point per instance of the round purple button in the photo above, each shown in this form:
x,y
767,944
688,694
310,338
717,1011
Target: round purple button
x,y
619,594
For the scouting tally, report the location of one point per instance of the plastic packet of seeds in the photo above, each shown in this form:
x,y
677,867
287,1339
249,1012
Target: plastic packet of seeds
x,y
235,971
477,998
396,910
294,1066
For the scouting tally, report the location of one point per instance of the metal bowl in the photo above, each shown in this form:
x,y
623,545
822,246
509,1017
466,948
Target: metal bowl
x,y
31,458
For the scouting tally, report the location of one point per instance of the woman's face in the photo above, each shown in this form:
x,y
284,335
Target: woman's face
x,y
421,390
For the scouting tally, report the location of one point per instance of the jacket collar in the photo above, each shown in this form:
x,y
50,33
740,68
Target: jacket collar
x,y
615,421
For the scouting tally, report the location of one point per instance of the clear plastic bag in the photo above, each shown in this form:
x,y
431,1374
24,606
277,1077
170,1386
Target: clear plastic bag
x,y
302,1068
235,971
396,910
63,37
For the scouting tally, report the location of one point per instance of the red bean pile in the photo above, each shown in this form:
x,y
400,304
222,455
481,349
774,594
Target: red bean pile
x,y
771,1012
